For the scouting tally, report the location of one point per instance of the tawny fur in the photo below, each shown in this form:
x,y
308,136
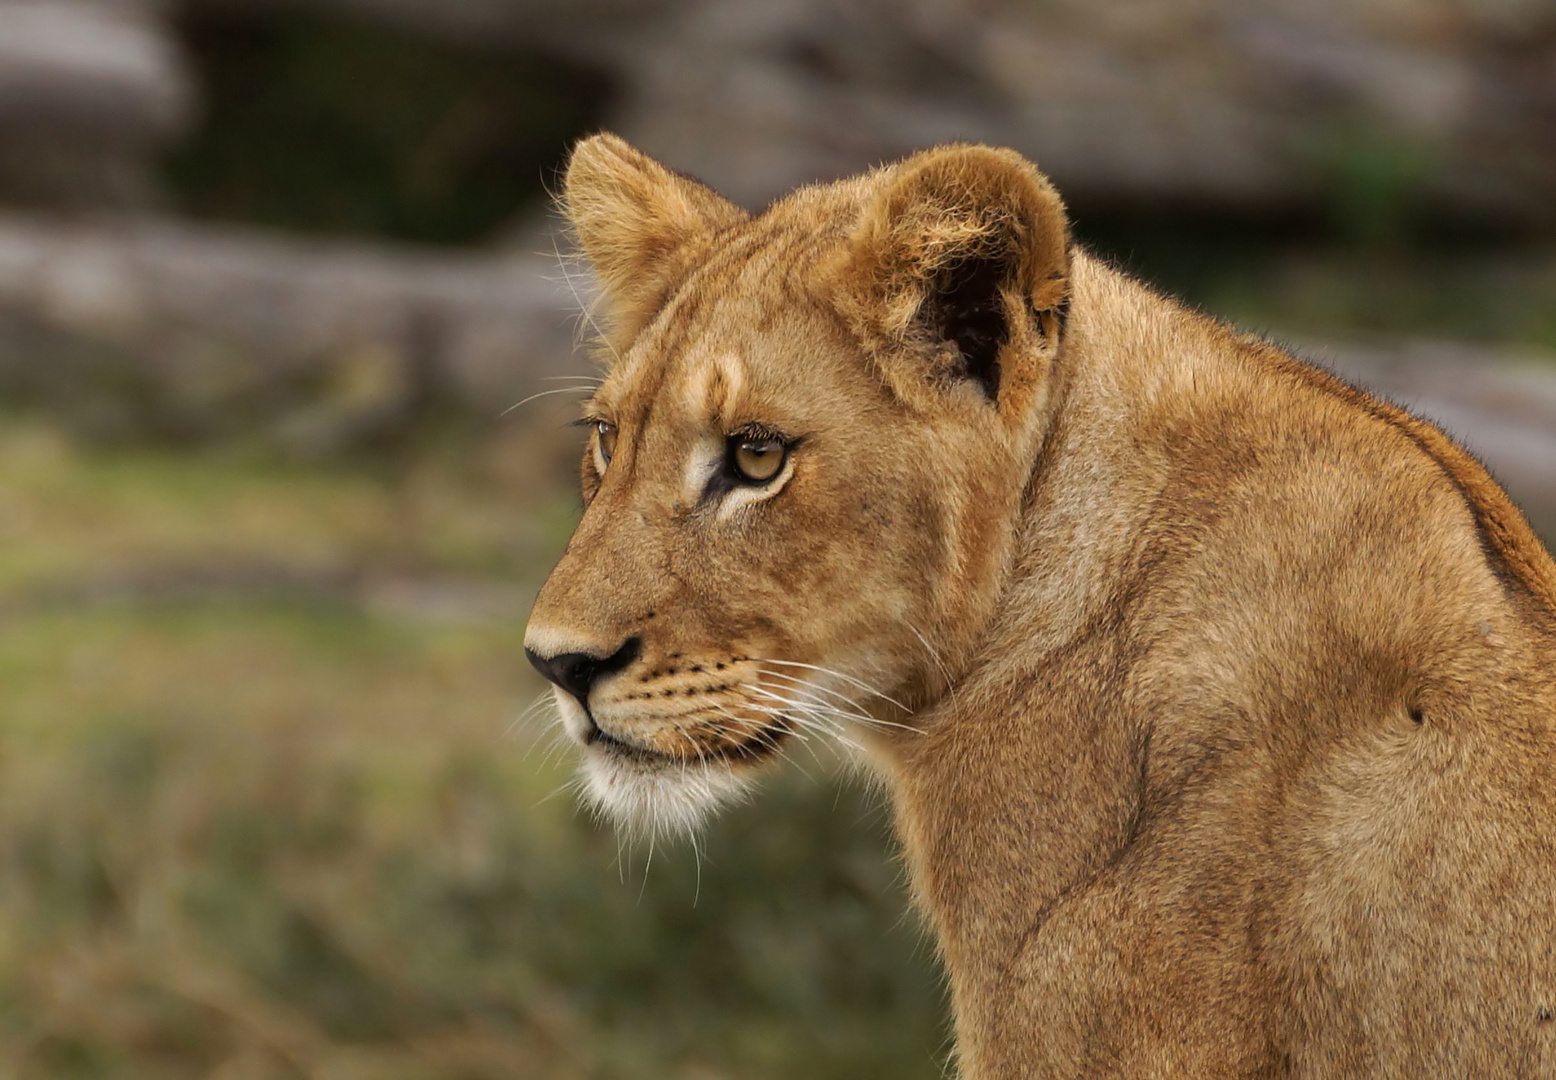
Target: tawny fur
x,y
1216,698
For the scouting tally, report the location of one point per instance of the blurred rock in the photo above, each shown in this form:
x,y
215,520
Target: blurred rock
x,y
89,91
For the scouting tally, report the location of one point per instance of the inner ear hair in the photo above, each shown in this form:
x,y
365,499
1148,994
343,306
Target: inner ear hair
x,y
967,310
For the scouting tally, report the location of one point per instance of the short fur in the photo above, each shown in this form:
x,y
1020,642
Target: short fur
x,y
1216,698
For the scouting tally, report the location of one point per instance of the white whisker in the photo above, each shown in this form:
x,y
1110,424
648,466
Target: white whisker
x,y
575,784
866,687
806,684
547,393
697,862
817,705
858,717
935,656
544,698
798,713
586,314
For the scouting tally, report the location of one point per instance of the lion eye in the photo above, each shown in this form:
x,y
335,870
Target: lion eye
x,y
758,460
605,442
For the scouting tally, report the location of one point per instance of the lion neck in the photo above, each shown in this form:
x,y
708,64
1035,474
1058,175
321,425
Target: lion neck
x,y
1026,779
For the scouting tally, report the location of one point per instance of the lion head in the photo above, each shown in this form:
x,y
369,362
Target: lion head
x,y
806,461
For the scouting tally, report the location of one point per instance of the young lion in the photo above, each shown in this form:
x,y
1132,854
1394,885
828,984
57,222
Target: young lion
x,y
1216,698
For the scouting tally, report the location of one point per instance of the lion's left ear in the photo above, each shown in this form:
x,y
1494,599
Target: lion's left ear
x,y
632,218
960,254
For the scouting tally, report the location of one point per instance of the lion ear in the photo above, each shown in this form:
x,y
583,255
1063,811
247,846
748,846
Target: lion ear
x,y
960,252
632,217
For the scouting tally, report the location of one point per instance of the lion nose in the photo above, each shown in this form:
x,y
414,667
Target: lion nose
x,y
576,672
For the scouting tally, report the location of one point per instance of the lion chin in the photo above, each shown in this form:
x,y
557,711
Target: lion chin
x,y
645,794
652,799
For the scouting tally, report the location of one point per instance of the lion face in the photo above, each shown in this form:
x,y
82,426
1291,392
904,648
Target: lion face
x,y
805,462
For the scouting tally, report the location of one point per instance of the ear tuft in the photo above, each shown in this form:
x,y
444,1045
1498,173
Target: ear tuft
x,y
960,250
634,219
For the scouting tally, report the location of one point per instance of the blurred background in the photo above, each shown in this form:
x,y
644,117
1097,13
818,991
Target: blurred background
x,y
274,273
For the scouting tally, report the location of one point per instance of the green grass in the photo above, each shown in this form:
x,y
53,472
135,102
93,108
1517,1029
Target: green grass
x,y
262,824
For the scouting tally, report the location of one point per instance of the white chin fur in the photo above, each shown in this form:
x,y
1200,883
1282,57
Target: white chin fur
x,y
650,799
656,800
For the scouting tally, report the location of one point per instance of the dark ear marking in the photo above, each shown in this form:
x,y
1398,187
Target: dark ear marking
x,y
968,311
1059,314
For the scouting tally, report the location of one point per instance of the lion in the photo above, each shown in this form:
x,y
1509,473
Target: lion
x,y
1215,699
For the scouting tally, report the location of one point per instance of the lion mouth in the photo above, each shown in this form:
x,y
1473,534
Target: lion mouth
x,y
763,742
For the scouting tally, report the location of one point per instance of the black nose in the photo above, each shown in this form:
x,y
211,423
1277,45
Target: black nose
x,y
576,672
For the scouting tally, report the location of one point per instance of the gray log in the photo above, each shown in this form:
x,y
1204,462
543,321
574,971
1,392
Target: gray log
x,y
147,328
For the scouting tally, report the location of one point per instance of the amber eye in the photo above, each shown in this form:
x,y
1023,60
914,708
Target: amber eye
x,y
605,442
758,460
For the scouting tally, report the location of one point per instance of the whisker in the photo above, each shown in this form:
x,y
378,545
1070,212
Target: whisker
x,y
859,714
541,700
546,393
772,743
560,744
935,656
805,714
866,687
816,705
649,865
858,717
817,687
697,862
800,714
585,312
764,737
798,734
575,784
